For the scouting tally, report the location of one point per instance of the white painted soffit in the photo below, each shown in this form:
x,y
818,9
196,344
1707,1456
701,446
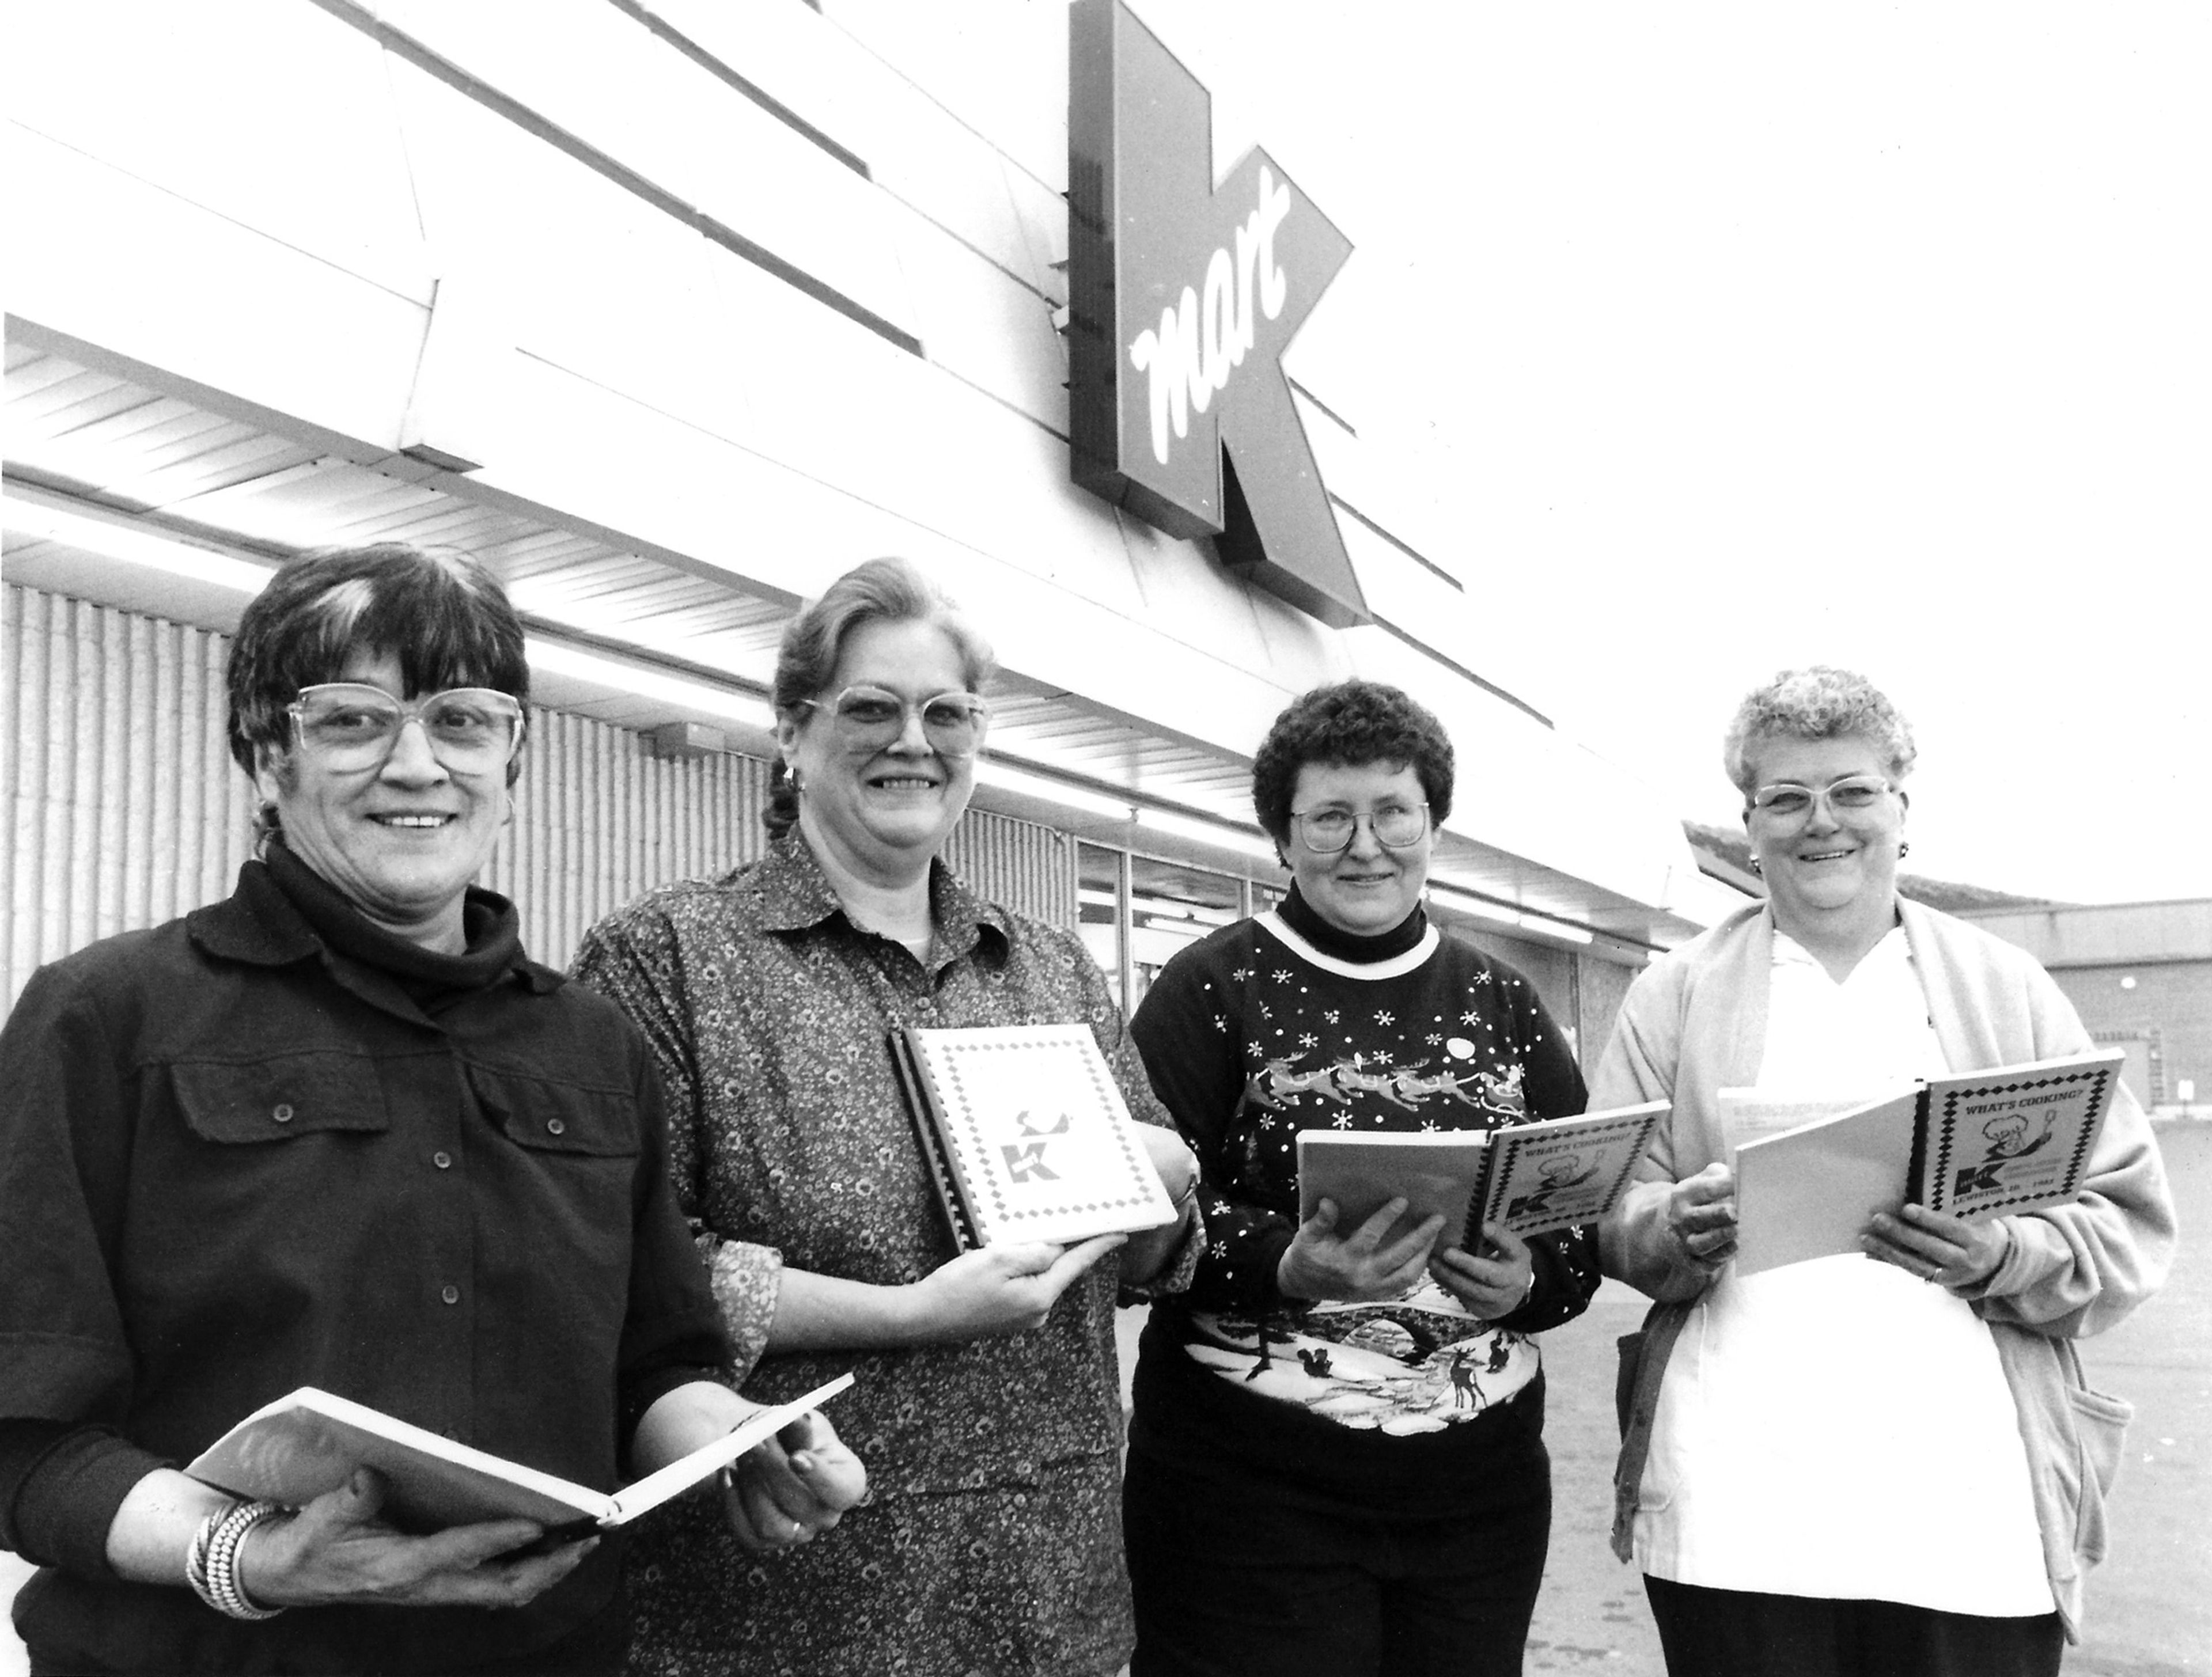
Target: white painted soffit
x,y
135,458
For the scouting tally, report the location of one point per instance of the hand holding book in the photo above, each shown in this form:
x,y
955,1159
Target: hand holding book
x,y
1701,1218
1361,1263
1009,1288
792,1488
1946,1250
1965,1148
1530,1177
338,1548
1491,1283
311,1443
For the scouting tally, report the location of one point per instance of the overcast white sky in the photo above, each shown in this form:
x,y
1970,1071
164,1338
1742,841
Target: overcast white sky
x,y
1727,338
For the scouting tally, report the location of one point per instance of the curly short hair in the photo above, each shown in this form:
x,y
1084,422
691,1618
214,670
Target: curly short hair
x,y
1349,725
890,590
442,615
1818,702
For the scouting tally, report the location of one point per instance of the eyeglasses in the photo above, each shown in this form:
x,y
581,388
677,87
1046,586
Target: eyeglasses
x,y
1395,827
349,725
870,718
1786,800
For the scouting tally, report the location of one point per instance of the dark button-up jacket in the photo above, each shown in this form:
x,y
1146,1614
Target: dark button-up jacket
x,y
233,1161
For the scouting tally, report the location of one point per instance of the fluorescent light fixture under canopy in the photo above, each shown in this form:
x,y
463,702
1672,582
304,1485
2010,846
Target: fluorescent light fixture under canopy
x,y
118,536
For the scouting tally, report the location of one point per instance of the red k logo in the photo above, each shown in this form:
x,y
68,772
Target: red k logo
x,y
1183,295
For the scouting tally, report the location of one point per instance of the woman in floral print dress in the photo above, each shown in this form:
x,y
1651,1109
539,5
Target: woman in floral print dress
x,y
987,1405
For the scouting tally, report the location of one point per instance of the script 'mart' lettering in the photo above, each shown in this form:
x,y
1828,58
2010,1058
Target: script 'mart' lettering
x,y
1184,289
1201,343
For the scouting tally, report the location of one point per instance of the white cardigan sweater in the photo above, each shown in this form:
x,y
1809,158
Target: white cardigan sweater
x,y
1696,1022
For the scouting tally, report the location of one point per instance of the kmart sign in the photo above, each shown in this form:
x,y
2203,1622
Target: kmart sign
x,y
1183,295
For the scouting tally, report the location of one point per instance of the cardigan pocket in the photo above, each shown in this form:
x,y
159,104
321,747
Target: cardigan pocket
x,y
1643,1358
2100,1426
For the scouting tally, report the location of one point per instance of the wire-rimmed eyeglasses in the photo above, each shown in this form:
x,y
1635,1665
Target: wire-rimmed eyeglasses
x,y
1325,831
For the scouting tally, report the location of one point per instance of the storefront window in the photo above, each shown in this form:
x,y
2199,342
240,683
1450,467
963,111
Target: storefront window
x,y
1098,880
1172,907
1137,911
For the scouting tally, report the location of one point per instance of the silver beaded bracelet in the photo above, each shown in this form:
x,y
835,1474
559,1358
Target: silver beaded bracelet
x,y
211,1562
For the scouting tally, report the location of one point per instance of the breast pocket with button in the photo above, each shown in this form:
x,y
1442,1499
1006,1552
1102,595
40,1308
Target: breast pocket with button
x,y
278,1098
568,1163
249,1183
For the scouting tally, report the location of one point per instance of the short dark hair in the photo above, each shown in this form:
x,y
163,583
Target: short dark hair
x,y
1350,724
442,615
889,590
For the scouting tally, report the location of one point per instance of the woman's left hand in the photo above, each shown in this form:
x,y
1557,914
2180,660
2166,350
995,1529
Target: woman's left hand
x,y
793,1488
1493,1285
1171,1159
1946,1250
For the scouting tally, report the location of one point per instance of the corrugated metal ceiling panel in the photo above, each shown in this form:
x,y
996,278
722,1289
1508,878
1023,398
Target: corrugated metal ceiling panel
x,y
103,439
119,444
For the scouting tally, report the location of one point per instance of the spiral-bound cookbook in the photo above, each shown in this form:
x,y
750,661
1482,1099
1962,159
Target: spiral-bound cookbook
x,y
1532,1178
1026,1134
1971,1144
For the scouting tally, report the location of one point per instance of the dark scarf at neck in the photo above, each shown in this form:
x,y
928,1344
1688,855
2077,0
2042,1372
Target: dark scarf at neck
x,y
488,921
1300,916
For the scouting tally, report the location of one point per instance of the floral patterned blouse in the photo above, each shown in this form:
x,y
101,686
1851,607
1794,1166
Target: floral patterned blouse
x,y
990,1542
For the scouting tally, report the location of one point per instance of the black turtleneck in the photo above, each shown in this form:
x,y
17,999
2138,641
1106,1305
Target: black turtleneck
x,y
430,978
1302,918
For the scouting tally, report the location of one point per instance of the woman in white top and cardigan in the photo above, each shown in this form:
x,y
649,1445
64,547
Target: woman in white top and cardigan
x,y
1836,1467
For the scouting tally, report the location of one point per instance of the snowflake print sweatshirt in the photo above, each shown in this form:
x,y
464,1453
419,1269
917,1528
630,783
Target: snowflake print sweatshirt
x,y
1283,1023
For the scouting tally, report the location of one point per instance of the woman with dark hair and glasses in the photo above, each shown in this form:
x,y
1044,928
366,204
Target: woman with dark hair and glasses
x,y
1336,1461
337,1131
987,1398
1789,1434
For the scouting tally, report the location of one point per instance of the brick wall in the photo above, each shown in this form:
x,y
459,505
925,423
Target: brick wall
x,y
2168,1008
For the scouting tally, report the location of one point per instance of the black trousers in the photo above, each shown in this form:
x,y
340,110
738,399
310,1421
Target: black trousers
x,y
1747,1633
1233,1577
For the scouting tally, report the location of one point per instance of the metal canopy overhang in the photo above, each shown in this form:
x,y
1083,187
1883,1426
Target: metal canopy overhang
x,y
644,639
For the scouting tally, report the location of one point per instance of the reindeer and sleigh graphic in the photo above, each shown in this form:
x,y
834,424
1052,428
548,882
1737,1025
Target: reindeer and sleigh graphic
x,y
1275,1085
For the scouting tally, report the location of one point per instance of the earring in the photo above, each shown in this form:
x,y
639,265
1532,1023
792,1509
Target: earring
x,y
791,773
1904,849
1755,867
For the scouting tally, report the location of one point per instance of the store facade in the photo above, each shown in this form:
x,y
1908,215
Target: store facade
x,y
670,313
